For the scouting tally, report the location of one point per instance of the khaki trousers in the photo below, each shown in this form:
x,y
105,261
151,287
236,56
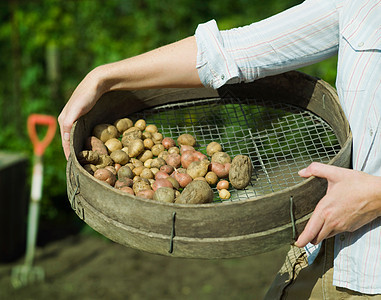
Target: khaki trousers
x,y
297,280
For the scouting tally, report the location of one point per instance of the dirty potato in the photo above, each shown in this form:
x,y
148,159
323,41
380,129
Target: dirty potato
x,y
221,157
135,148
120,157
198,168
123,124
106,176
164,194
105,132
88,157
196,192
186,139
240,171
104,160
113,145
125,172
95,144
213,147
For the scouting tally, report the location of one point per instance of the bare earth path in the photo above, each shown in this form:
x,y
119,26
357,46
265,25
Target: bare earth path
x,y
84,266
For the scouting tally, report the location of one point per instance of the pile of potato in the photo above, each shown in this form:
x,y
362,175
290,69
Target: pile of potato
x,y
135,158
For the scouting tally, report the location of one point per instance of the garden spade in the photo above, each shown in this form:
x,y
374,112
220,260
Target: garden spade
x,y
27,273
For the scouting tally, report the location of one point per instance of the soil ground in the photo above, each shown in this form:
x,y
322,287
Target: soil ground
x,y
85,265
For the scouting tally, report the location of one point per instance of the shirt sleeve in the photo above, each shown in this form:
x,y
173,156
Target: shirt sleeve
x,y
299,36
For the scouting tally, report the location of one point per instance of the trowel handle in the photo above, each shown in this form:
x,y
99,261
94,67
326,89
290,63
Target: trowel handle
x,y
45,120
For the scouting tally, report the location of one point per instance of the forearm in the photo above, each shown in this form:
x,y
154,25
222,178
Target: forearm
x,y
301,35
173,65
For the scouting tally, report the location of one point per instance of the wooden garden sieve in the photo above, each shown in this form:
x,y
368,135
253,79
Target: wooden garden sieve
x,y
282,122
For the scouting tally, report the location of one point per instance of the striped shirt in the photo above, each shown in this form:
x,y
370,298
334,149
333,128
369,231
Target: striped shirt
x,y
303,35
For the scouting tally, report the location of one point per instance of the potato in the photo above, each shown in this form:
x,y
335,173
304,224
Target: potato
x,y
141,124
157,163
174,182
128,190
148,143
154,170
190,156
95,144
213,147
168,142
147,173
135,147
88,157
187,157
120,157
240,171
148,194
162,182
146,135
224,194
184,148
111,169
180,170
117,167
151,128
222,171
200,178
123,124
122,182
133,130
113,145
173,160
161,174
138,170
167,169
221,157
136,178
129,136
147,163
136,162
199,156
222,184
196,192
211,178
198,168
182,178
141,185
174,150
106,176
186,139
105,132
147,154
164,194
157,137
90,168
163,155
125,171
157,149
104,160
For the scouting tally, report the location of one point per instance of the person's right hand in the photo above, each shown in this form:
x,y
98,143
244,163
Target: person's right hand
x,y
82,100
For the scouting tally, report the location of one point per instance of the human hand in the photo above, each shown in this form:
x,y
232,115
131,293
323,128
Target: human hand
x,y
82,100
353,199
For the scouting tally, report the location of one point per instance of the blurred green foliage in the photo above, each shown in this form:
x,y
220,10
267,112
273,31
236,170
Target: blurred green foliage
x,y
48,46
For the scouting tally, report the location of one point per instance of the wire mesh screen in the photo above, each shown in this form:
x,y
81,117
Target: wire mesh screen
x,y
279,138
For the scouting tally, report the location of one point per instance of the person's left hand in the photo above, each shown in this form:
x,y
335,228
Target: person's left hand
x,y
353,199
